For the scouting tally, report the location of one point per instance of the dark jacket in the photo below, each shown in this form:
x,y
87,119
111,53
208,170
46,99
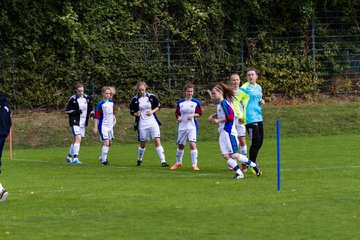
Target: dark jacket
x,y
5,117
134,107
74,112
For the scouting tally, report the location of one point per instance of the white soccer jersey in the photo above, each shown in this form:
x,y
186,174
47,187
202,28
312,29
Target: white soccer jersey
x,y
184,109
104,112
144,107
226,111
83,106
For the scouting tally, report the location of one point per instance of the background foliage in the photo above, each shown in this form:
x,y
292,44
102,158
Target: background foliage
x,y
45,46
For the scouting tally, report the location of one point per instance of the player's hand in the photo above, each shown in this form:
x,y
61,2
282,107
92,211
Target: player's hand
x,y
149,113
190,117
137,114
179,119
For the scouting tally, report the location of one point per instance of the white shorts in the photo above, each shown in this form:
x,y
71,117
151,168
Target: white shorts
x,y
184,135
152,131
241,129
229,143
76,130
106,133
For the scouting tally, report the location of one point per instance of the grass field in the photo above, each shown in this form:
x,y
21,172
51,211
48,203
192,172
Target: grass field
x,y
319,194
319,197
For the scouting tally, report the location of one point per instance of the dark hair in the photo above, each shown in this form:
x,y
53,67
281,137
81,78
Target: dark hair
x,y
3,98
234,73
78,85
253,69
227,92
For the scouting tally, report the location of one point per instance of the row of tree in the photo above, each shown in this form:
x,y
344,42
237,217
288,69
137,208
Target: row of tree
x,y
45,46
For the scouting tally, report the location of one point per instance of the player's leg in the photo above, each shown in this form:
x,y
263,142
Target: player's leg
x,y
155,134
181,141
3,192
74,131
105,138
76,149
256,133
143,137
229,145
192,137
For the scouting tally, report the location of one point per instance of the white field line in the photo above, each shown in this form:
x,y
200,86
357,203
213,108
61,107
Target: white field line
x,y
163,170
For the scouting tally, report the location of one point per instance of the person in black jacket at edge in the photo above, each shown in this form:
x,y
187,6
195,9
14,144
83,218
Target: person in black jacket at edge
x,y
5,125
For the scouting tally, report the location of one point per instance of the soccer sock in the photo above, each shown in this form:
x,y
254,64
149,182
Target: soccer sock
x,y
232,163
104,153
243,159
179,155
141,152
243,150
76,149
1,187
194,157
251,163
160,152
71,150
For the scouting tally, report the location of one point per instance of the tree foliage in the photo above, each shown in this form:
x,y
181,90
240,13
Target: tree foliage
x,y
45,46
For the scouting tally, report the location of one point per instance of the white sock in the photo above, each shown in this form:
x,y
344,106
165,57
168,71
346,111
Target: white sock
x,y
141,152
243,150
231,162
1,187
76,149
179,155
71,152
243,159
161,154
194,157
247,161
104,153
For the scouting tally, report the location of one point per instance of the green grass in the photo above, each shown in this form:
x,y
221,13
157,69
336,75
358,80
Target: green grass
x,y
34,129
50,199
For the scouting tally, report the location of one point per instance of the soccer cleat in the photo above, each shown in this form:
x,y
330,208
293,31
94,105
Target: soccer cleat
x,y
68,160
195,168
164,164
138,163
256,170
76,161
239,176
243,168
104,163
175,166
3,195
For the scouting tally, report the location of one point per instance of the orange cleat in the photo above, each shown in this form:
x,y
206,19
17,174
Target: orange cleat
x,y
175,166
196,168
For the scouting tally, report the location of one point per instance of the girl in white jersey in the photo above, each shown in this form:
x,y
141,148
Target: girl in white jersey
x,y
187,110
143,106
228,140
78,108
104,122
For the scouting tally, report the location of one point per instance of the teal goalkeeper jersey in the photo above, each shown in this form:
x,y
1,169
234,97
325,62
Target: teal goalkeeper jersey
x,y
250,96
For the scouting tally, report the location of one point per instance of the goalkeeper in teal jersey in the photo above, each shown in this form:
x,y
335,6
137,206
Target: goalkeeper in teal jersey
x,y
250,94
